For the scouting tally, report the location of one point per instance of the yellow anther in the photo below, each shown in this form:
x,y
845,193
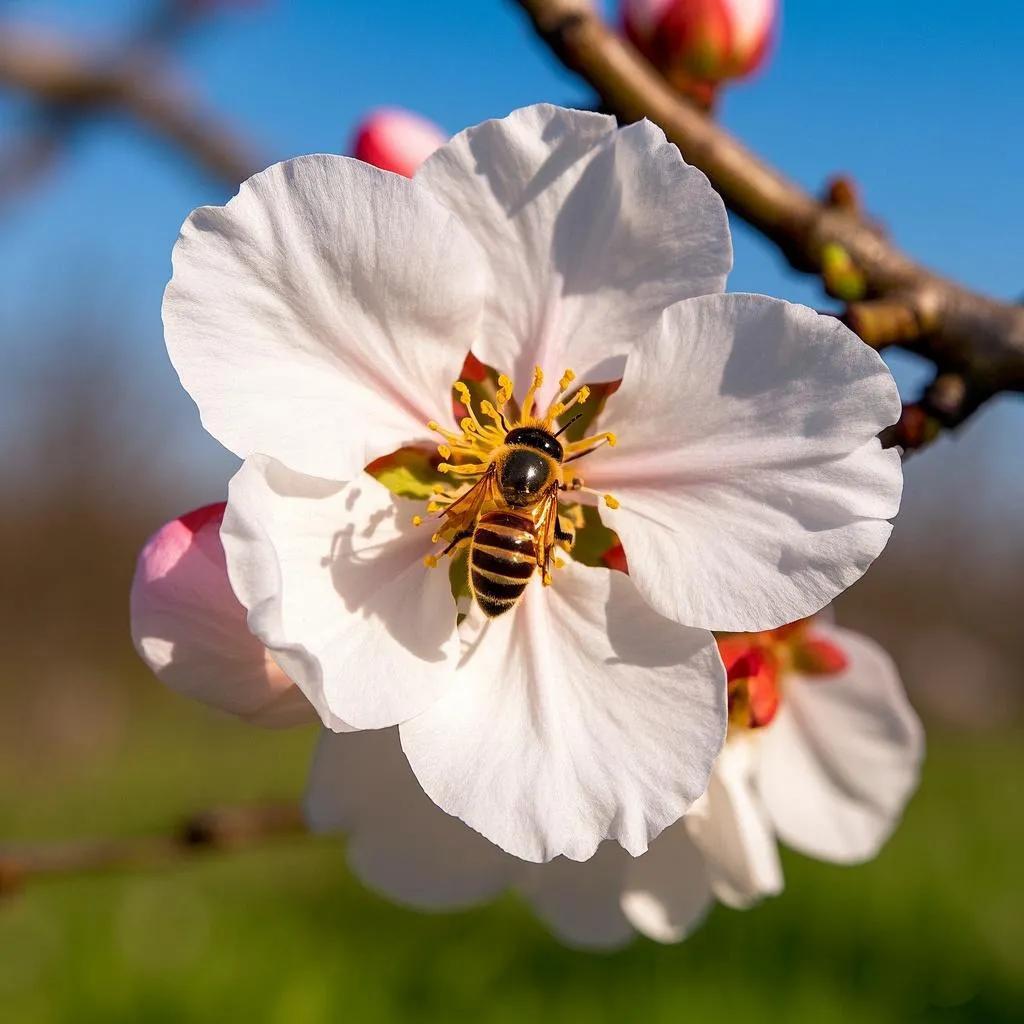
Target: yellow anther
x,y
434,506
582,395
443,467
438,489
547,579
430,562
612,439
435,539
433,425
556,410
611,501
488,410
444,451
538,380
559,563
567,378
462,391
417,520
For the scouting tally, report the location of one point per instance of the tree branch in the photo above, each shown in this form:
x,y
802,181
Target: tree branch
x,y
971,336
225,828
68,85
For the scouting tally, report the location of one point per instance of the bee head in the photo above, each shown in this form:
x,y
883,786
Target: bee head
x,y
538,439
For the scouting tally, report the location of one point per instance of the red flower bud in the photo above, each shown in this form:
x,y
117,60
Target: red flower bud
x,y
396,140
699,43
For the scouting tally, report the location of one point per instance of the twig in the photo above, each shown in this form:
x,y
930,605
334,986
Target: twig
x,y
225,828
70,86
972,336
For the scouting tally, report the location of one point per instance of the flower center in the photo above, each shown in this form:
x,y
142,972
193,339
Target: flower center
x,y
757,665
509,459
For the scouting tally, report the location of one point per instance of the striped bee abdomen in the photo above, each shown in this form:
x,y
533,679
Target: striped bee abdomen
x,y
502,557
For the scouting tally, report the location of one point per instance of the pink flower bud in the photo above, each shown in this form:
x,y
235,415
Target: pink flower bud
x,y
699,43
396,140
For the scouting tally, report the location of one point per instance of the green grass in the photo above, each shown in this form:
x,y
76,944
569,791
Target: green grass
x,y
931,931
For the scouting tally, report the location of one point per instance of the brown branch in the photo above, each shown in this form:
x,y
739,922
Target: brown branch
x,y
221,829
976,338
68,86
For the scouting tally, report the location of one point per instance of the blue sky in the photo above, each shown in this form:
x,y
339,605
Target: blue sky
x,y
920,102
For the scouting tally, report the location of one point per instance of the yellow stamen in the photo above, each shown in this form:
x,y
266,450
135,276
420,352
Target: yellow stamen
x,y
567,378
611,501
588,444
417,520
471,469
488,410
430,562
538,380
557,409
504,390
444,451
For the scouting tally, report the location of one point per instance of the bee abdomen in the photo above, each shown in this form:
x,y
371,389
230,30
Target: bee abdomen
x,y
502,558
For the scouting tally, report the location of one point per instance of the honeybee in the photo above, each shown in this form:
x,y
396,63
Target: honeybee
x,y
518,533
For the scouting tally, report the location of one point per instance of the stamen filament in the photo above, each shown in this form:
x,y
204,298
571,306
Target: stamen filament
x,y
535,384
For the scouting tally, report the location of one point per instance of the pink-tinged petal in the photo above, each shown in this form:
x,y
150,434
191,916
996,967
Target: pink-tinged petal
x,y
580,903
667,892
579,716
333,579
190,629
399,842
396,140
589,232
731,829
321,316
838,764
751,486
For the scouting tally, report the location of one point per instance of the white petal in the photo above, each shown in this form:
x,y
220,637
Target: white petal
x,y
334,581
752,488
400,843
190,629
841,758
580,902
731,829
667,892
578,716
322,315
590,231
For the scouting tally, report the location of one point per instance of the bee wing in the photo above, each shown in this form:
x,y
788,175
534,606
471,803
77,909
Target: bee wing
x,y
466,509
547,520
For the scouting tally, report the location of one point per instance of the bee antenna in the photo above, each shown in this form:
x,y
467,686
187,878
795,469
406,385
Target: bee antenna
x,y
562,430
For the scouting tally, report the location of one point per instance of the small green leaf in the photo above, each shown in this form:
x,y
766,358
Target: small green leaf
x,y
409,473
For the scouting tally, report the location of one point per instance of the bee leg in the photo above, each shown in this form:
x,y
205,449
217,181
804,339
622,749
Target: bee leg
x,y
457,540
564,534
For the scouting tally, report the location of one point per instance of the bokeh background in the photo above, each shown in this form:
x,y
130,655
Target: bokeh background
x,y
99,446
